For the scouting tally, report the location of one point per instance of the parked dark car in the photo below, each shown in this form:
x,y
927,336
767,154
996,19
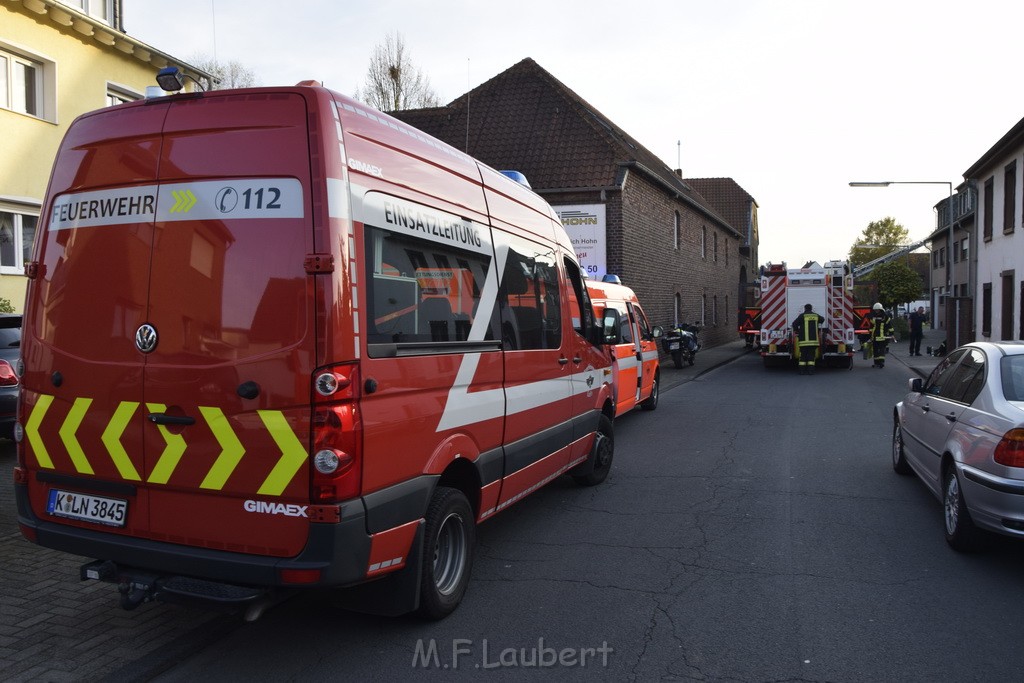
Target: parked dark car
x,y
962,432
10,348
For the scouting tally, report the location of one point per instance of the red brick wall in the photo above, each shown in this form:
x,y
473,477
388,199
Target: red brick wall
x,y
641,252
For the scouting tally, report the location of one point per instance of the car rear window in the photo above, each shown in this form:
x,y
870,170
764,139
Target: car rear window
x,y
10,337
1012,371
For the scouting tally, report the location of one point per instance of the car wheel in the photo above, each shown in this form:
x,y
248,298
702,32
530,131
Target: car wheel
x,y
600,457
448,557
652,401
961,534
899,458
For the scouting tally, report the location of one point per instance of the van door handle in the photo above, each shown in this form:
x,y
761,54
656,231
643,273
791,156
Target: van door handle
x,y
165,419
563,360
577,360
951,417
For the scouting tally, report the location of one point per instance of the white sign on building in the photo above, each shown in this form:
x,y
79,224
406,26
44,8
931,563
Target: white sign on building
x,y
585,224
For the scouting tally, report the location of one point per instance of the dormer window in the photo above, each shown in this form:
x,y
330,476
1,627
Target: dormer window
x,y
101,10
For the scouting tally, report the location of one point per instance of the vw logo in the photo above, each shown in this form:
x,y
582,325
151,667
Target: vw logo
x,y
145,338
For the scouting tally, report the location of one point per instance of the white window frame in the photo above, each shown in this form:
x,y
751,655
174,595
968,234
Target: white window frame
x,y
101,10
45,82
675,232
19,210
122,94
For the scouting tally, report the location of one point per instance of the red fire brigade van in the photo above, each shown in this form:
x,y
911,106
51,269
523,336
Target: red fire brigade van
x,y
633,346
273,339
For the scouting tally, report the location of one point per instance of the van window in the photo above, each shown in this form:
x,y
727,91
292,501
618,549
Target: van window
x,y
423,291
583,310
531,310
641,320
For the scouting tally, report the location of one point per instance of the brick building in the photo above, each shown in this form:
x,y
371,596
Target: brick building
x,y
628,213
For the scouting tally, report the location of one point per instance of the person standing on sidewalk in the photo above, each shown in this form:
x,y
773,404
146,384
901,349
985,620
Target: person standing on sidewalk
x,y
806,327
916,331
881,332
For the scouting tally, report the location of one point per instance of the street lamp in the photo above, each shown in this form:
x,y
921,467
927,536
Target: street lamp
x,y
949,246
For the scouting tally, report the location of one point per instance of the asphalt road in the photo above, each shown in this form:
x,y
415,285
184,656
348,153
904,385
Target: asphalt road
x,y
752,529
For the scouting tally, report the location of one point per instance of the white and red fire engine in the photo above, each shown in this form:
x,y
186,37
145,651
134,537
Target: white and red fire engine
x,y
783,294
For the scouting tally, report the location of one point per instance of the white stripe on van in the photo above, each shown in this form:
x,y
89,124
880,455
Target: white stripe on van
x,y
227,199
337,199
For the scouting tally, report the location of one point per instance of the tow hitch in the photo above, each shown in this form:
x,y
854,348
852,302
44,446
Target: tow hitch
x,y
138,586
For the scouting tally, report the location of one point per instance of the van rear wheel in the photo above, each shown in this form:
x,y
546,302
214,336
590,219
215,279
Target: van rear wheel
x,y
448,558
651,402
599,464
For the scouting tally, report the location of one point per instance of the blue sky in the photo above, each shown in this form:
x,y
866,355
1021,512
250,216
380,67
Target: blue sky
x,y
791,98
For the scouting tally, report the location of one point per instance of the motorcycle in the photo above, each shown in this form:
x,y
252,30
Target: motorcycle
x,y
681,343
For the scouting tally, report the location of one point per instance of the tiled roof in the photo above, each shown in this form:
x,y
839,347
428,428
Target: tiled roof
x,y
526,119
728,198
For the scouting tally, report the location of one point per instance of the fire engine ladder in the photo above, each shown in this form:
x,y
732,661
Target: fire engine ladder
x,y
836,310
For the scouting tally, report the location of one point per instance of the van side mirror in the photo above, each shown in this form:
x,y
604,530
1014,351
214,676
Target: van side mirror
x,y
916,385
611,333
657,332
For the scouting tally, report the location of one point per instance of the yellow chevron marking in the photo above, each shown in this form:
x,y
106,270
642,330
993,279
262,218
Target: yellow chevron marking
x,y
67,435
171,456
32,431
292,453
112,440
231,449
184,200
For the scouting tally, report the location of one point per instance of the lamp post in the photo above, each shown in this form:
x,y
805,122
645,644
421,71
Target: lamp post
x,y
949,247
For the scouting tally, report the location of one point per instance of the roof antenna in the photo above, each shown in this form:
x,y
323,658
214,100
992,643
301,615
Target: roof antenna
x,y
213,21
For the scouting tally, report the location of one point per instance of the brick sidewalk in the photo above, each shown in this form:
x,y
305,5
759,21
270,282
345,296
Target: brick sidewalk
x,y
54,627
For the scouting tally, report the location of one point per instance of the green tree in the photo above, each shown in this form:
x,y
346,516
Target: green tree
x,y
392,82
877,240
898,283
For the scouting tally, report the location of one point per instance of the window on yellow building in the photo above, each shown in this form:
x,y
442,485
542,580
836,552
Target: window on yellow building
x,y
117,94
97,9
20,84
17,230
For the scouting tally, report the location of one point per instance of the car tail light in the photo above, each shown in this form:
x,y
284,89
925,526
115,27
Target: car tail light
x,y
1010,450
336,463
8,378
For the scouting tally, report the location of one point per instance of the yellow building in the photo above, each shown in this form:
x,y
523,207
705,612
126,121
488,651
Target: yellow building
x,y
57,60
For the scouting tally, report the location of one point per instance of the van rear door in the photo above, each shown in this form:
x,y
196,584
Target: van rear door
x,y
188,359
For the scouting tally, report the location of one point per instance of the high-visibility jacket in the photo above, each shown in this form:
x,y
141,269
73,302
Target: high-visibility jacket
x,y
806,328
881,326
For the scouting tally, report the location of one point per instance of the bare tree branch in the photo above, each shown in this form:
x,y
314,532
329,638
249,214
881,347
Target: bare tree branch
x,y
393,82
231,74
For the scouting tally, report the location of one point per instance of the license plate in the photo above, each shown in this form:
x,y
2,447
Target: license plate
x,y
673,346
89,508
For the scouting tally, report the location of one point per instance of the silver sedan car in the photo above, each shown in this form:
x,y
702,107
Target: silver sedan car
x,y
962,432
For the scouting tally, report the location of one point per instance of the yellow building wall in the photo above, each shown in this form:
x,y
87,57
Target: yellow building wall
x,y
28,145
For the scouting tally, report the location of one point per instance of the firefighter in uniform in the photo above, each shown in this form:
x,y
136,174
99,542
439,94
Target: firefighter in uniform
x,y
881,332
806,327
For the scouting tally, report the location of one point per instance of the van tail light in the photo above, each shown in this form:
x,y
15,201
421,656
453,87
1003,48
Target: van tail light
x,y
336,467
8,378
1010,450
